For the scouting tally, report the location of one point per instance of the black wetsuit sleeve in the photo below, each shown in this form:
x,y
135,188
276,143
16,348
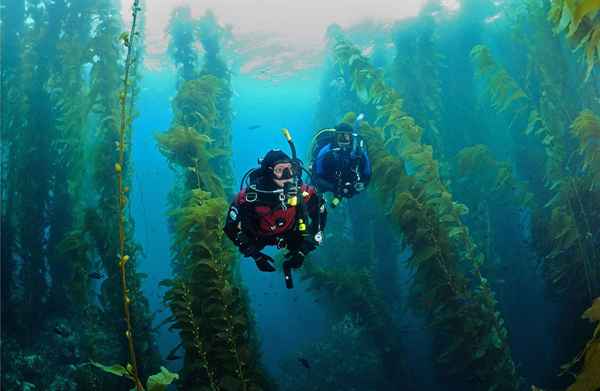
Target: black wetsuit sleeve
x,y
233,223
234,231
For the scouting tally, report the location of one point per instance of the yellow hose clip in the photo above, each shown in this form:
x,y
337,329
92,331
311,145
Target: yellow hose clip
x,y
286,134
301,225
335,202
293,201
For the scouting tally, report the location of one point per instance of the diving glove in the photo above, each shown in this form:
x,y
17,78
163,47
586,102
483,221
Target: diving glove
x,y
263,262
294,259
247,247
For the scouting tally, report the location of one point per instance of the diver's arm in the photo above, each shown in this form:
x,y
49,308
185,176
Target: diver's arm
x,y
233,228
233,222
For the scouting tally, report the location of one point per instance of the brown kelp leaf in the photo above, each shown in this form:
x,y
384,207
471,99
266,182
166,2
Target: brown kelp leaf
x,y
593,313
582,9
589,378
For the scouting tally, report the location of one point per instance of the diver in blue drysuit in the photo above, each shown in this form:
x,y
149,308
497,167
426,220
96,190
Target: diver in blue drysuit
x,y
340,163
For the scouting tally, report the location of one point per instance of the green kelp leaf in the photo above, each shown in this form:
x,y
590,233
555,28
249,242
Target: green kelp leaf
x,y
534,118
456,231
547,140
447,218
422,255
353,58
402,201
495,338
160,381
115,369
563,232
461,209
570,239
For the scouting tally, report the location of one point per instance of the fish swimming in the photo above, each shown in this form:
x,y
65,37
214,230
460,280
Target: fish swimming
x,y
252,127
96,275
304,362
172,356
60,331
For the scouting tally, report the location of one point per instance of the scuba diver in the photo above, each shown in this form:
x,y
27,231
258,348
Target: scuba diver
x,y
274,208
340,163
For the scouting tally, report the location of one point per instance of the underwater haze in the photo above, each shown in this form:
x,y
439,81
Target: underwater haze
x,y
470,261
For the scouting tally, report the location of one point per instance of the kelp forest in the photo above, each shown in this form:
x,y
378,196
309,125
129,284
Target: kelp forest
x,y
470,262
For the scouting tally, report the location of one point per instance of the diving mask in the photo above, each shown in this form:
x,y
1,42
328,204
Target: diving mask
x,y
284,170
343,139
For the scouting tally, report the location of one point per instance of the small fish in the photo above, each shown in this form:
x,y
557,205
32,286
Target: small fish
x,y
304,362
252,127
172,356
96,275
60,331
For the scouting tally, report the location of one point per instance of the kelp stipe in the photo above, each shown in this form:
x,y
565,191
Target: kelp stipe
x,y
128,41
562,228
564,215
423,209
161,380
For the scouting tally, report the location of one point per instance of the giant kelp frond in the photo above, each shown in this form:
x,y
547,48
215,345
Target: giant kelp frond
x,y
448,282
565,233
212,37
181,42
416,74
208,309
201,217
503,90
353,289
75,248
185,147
583,23
588,378
484,179
195,104
179,297
586,128
475,158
